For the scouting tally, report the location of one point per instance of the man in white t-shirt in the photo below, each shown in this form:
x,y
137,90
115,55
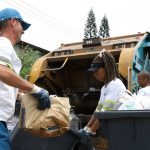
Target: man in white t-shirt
x,y
12,26
144,82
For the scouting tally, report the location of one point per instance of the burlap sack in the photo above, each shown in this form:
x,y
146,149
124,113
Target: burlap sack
x,y
46,123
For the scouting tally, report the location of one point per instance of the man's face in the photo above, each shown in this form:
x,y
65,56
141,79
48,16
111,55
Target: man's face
x,y
100,74
141,80
17,29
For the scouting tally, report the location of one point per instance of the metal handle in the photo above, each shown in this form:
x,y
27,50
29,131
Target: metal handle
x,y
53,69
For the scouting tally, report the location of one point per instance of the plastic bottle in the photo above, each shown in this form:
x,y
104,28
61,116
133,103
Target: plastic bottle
x,y
74,120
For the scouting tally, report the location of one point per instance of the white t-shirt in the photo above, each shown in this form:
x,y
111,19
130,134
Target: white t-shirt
x,y
8,94
112,90
144,91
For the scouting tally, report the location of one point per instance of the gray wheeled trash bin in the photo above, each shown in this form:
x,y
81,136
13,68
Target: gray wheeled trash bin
x,y
126,130
22,140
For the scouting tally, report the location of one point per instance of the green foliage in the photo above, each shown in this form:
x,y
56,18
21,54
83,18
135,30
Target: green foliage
x,y
90,30
104,28
28,57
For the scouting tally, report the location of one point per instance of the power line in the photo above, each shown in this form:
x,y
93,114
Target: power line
x,y
50,17
44,20
36,13
37,16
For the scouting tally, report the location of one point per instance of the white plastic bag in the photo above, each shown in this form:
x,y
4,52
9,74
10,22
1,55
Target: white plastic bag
x,y
144,101
131,104
128,101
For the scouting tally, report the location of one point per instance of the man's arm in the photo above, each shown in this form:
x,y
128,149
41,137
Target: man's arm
x,y
11,78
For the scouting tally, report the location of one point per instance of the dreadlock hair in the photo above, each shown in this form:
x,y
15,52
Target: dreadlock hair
x,y
109,63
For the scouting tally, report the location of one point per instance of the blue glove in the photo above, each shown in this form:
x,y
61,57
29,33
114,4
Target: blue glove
x,y
42,96
84,133
85,140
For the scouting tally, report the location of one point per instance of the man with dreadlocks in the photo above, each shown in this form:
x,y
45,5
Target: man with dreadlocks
x,y
105,70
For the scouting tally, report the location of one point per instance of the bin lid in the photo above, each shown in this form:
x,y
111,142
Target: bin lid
x,y
122,114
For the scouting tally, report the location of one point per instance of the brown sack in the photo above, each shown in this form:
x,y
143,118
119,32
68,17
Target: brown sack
x,y
46,123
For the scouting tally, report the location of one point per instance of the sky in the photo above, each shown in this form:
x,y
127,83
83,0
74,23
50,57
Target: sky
x,y
63,21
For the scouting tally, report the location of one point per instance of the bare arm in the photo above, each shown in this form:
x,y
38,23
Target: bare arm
x,y
11,78
91,121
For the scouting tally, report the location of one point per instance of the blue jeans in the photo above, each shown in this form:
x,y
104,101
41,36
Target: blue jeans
x,y
4,137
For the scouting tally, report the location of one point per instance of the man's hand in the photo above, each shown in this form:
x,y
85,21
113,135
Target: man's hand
x,y
19,96
42,96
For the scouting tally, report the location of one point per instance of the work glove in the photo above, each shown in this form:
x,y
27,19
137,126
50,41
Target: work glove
x,y
86,131
42,96
83,133
85,140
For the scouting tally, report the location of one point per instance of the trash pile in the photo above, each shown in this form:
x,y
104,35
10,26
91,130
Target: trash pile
x,y
126,101
129,101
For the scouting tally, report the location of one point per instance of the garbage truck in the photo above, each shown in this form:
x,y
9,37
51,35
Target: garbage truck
x,y
64,71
